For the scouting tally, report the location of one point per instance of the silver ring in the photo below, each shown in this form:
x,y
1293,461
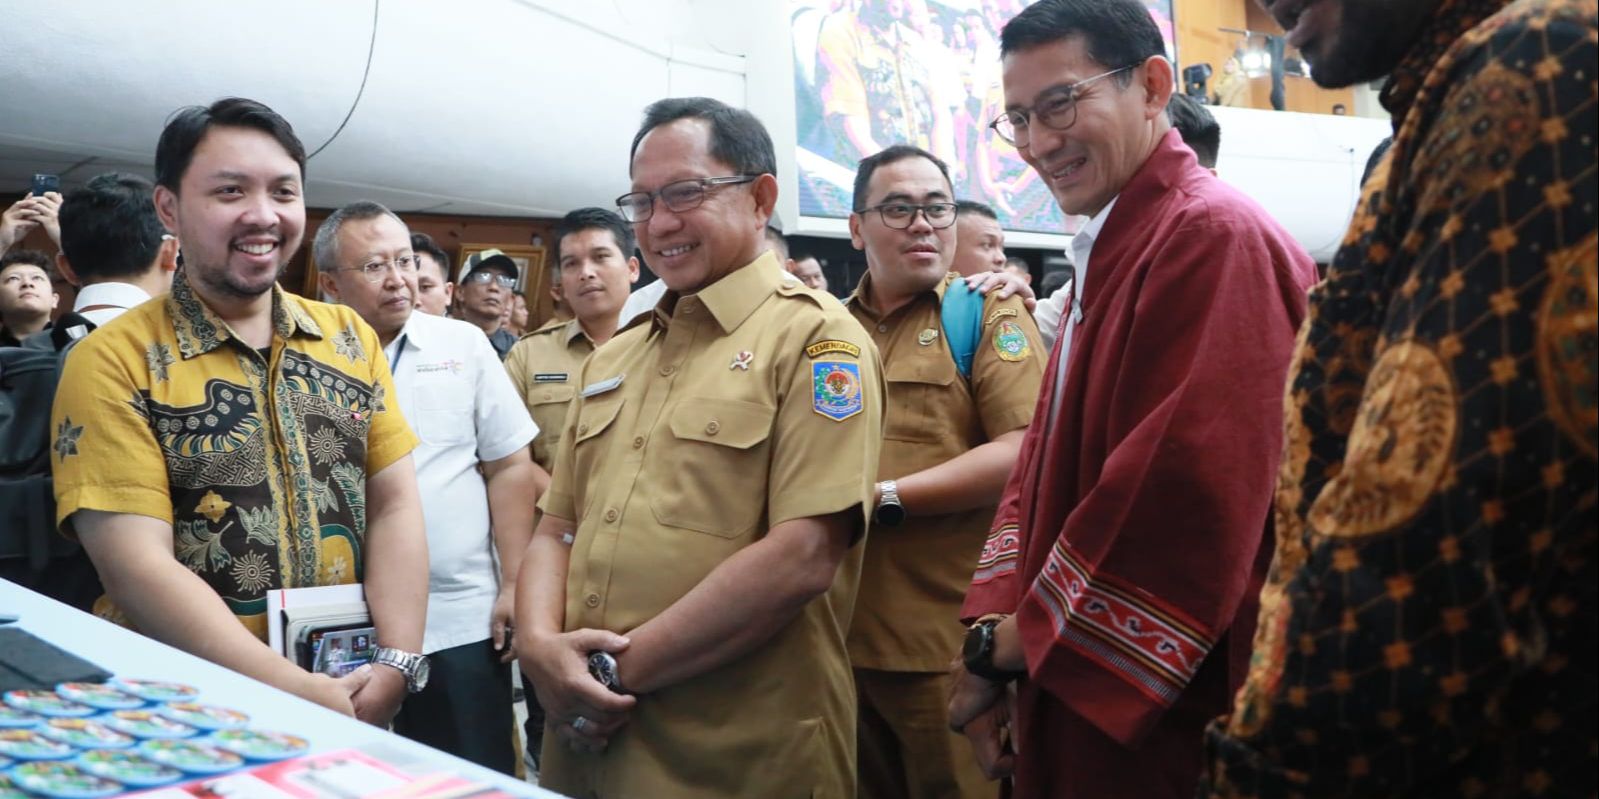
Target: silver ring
x,y
579,723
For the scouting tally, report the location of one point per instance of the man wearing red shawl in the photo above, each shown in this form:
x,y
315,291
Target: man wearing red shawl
x,y
1118,584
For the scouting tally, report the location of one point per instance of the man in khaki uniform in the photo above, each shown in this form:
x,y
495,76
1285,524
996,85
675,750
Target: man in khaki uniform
x,y
594,271
708,504
950,440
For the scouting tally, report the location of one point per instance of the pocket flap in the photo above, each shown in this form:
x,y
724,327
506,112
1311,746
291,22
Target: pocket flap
x,y
730,423
927,369
595,416
542,395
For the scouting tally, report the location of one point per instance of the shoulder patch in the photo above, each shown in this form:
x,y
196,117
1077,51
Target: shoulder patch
x,y
1010,342
998,315
836,389
826,346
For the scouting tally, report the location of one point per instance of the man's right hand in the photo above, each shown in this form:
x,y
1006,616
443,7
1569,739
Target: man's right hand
x,y
558,665
334,693
16,223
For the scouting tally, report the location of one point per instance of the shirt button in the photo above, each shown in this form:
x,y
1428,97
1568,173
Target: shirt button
x,y
592,600
582,428
667,370
713,427
638,442
611,514
688,310
882,328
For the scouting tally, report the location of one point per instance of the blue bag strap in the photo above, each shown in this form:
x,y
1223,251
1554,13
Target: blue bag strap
x,y
962,318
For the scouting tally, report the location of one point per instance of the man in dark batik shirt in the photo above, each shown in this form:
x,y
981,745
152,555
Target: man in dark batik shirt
x,y
1428,626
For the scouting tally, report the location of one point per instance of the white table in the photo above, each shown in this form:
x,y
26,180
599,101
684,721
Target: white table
x,y
128,654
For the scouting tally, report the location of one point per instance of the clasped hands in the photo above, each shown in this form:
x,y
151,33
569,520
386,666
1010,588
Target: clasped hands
x,y
585,713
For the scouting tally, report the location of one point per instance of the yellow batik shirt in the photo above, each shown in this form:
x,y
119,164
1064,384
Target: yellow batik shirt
x,y
259,463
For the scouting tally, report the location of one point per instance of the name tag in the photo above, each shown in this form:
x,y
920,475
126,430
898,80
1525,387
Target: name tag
x,y
549,377
603,386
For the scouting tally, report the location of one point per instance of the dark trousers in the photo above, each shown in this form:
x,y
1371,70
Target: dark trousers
x,y
466,707
533,728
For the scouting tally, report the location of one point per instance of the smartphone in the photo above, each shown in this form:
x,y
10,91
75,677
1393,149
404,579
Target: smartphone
x,y
339,649
43,184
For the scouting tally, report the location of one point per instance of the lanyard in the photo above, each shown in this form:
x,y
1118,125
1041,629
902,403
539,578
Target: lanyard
x,y
399,349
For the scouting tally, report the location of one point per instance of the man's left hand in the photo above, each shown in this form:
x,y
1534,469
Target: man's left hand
x,y
45,211
502,624
969,696
1003,284
379,700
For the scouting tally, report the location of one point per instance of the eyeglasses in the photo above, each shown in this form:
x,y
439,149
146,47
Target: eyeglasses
x,y
375,271
680,196
900,216
1056,108
485,276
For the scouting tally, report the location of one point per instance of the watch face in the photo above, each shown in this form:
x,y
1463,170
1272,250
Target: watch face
x,y
423,669
890,514
976,641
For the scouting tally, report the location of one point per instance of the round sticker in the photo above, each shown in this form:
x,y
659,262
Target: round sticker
x,y
127,768
63,781
205,717
191,756
47,703
260,745
30,745
157,691
12,718
146,724
85,734
98,695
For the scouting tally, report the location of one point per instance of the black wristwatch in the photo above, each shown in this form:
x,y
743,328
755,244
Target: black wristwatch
x,y
978,653
889,512
602,667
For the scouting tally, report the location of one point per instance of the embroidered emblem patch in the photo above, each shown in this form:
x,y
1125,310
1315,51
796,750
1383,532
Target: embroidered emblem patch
x,y
1010,343
549,377
927,337
836,389
833,345
1000,314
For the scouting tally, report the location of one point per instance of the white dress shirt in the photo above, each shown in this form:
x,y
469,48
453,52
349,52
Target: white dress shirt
x,y
121,296
462,405
1082,248
642,300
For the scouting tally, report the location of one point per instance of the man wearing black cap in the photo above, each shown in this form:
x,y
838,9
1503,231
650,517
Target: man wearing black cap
x,y
485,285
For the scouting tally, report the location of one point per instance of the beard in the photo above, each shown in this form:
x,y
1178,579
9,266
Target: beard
x,y
1370,40
215,278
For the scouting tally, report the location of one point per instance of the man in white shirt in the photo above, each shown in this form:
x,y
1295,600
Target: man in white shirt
x,y
451,387
114,247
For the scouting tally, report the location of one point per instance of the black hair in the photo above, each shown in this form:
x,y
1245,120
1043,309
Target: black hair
x,y
779,244
964,207
738,138
1116,33
27,258
892,154
109,227
188,126
422,243
594,219
1199,129
1053,282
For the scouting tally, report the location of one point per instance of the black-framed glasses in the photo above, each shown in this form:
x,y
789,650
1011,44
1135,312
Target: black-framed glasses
x,y
680,196
900,216
1056,109
375,270
487,276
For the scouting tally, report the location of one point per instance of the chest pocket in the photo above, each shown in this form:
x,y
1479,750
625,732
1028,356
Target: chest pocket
x,y
548,404
715,467
920,391
443,413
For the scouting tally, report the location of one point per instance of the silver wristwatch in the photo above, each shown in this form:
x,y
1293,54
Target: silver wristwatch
x,y
413,666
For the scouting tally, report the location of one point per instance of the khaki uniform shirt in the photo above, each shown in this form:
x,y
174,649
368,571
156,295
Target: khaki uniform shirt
x,y
543,366
260,464
698,428
914,577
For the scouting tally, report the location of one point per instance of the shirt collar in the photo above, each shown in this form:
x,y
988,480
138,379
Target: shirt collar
x,y
415,333
1083,241
199,330
122,295
732,299
1450,21
857,298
